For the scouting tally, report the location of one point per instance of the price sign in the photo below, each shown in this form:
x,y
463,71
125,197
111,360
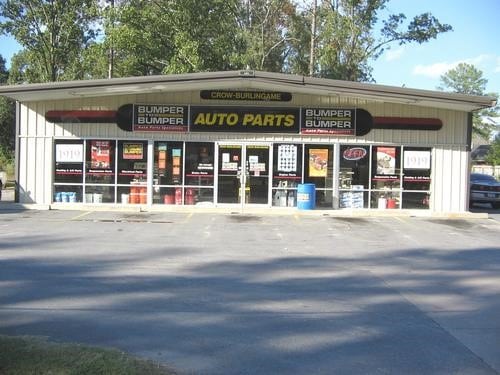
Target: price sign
x,y
69,153
417,160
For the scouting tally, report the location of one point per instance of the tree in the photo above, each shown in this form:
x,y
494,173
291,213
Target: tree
x,y
7,127
4,73
53,34
266,28
467,79
464,79
493,156
348,39
176,36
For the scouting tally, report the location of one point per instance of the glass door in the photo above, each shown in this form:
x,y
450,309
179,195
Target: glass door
x,y
257,174
243,176
229,173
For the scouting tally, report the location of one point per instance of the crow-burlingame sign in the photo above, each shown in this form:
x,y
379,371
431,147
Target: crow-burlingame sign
x,y
235,95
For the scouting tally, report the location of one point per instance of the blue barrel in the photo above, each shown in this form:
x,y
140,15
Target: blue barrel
x,y
306,196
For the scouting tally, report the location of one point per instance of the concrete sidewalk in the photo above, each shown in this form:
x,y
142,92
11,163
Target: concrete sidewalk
x,y
259,294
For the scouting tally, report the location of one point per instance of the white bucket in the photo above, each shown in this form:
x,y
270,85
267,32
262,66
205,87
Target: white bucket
x,y
97,198
283,200
88,198
382,203
125,198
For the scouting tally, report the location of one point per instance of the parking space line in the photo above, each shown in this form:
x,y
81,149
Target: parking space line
x,y
78,217
188,217
400,219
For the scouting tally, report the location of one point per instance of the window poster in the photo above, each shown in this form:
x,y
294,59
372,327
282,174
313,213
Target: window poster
x,y
133,151
255,166
227,164
69,153
287,158
68,162
100,154
230,158
162,156
417,159
318,162
176,163
386,160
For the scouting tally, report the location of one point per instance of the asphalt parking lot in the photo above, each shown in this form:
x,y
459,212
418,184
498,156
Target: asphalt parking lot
x,y
222,293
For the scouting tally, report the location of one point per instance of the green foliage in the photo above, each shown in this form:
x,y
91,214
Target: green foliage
x,y
464,79
7,135
493,156
62,40
4,74
29,355
467,79
348,39
155,37
267,32
7,164
53,33
7,123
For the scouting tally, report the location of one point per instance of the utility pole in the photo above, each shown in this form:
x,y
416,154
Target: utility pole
x,y
111,51
313,39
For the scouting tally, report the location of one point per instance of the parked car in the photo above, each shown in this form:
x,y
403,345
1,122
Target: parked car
x,y
484,189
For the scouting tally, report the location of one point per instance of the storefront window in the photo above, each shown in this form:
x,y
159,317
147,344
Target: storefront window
x,y
199,173
167,172
318,170
168,163
287,173
68,193
416,177
68,171
99,194
68,161
110,171
354,176
132,162
183,173
132,172
100,162
199,164
386,177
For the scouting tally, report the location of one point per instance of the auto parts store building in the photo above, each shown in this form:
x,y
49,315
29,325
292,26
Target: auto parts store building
x,y
242,138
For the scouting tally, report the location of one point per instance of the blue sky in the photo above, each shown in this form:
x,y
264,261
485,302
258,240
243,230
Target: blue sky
x,y
475,39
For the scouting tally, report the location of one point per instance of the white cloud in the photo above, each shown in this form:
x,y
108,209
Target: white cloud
x,y
392,55
434,70
497,68
438,69
479,59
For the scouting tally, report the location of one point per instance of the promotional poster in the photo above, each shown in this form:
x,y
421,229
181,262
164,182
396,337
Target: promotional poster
x,y
318,162
386,160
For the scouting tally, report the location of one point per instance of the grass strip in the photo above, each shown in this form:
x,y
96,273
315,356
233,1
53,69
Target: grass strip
x,y
36,355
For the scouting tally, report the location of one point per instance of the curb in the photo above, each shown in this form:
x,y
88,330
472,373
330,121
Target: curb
x,y
10,206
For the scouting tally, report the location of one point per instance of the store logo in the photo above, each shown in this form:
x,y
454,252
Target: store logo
x,y
355,153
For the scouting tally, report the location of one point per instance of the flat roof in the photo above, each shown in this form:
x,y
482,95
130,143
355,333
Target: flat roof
x,y
244,79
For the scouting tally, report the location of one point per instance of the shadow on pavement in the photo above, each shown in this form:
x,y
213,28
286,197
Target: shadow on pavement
x,y
297,314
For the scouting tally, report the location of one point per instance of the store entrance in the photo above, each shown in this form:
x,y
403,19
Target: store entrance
x,y
243,174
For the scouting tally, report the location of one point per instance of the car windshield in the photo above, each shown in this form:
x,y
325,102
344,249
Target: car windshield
x,y
483,178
